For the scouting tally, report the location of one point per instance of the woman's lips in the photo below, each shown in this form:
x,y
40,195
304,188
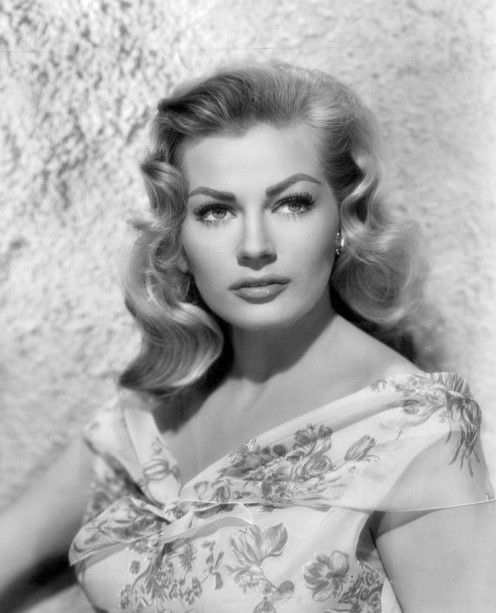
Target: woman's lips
x,y
260,293
267,279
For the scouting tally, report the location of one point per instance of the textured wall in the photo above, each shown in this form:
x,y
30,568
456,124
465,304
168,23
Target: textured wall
x,y
79,81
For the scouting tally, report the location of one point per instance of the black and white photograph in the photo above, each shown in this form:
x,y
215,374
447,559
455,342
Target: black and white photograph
x,y
248,299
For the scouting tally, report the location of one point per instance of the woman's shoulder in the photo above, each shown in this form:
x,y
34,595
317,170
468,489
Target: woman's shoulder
x,y
397,366
371,359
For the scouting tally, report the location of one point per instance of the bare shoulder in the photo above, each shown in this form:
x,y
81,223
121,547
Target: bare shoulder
x,y
398,365
373,357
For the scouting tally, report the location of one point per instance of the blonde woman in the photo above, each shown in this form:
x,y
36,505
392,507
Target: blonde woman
x,y
270,449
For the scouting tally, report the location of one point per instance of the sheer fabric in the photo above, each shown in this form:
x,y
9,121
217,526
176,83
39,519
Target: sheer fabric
x,y
280,523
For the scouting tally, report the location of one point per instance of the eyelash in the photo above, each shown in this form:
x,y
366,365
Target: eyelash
x,y
304,198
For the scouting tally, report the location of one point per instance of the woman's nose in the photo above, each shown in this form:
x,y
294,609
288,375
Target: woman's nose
x,y
255,245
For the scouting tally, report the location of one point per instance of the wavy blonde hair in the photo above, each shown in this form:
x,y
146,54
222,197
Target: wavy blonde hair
x,y
183,342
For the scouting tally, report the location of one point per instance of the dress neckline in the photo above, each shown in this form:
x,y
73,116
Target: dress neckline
x,y
284,429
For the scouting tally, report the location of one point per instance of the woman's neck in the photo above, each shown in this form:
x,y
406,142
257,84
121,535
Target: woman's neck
x,y
259,355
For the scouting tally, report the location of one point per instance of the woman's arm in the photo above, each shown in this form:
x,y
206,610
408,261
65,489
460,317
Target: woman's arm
x,y
441,560
43,521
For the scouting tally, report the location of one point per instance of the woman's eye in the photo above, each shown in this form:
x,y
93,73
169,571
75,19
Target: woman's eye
x,y
216,213
297,204
295,207
212,213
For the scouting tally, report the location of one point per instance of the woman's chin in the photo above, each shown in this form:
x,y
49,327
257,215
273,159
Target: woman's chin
x,y
260,322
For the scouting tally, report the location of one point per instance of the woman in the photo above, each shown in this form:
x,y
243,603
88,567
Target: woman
x,y
265,453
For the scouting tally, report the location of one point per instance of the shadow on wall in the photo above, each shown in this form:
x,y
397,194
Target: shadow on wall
x,y
43,582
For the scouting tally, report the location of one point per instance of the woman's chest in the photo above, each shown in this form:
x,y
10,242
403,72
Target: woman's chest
x,y
294,559
216,424
201,442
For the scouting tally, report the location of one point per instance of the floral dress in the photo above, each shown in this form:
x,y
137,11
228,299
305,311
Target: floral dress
x,y
279,525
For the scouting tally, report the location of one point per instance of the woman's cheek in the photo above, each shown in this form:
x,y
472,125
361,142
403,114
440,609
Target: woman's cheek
x,y
203,253
210,280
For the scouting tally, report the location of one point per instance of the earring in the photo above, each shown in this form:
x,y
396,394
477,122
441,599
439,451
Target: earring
x,y
339,243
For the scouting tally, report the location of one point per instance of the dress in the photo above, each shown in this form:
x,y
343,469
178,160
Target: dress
x,y
279,524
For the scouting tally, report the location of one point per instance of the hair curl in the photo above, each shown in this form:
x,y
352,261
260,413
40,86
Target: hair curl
x,y
372,281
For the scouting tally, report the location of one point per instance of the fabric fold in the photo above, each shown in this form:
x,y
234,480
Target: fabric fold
x,y
283,511
129,520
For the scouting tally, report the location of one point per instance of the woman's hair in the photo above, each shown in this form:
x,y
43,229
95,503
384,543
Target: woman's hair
x,y
183,342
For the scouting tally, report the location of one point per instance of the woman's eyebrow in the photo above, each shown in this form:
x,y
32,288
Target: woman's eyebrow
x,y
282,185
270,191
208,191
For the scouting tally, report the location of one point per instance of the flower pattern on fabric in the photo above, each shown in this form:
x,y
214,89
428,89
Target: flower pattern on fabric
x,y
165,547
360,450
169,576
333,577
284,472
450,397
158,467
160,579
252,546
108,483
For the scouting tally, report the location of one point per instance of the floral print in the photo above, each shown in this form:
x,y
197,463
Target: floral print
x,y
448,396
332,577
284,473
163,579
251,547
276,525
108,483
158,467
360,450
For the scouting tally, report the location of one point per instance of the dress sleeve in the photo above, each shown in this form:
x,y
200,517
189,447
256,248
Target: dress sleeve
x,y
423,452
113,471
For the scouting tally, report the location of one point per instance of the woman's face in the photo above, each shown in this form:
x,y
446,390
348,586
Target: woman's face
x,y
260,227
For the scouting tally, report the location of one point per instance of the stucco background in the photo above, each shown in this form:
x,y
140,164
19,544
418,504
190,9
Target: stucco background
x,y
79,81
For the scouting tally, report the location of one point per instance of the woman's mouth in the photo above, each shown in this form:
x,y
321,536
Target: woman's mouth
x,y
260,290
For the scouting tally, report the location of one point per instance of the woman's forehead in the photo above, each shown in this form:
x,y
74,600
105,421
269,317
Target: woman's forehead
x,y
263,151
